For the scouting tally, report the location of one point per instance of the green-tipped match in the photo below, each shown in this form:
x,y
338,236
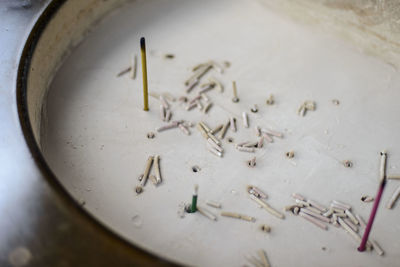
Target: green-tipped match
x,y
193,207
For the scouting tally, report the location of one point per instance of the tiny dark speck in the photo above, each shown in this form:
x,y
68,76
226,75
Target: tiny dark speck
x,y
169,56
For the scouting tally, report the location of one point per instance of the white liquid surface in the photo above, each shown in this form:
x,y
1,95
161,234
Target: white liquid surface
x,y
96,141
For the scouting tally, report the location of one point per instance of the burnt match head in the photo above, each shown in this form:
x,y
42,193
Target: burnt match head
x,y
142,43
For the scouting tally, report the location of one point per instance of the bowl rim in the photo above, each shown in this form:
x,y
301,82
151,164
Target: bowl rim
x,y
67,201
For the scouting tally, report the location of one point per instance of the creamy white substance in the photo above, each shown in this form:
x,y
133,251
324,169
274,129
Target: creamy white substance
x,y
95,140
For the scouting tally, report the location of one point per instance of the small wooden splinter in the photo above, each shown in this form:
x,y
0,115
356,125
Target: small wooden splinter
x,y
147,170
252,190
263,257
157,168
238,216
377,248
235,98
213,204
393,177
253,260
124,71
224,130
313,220
217,129
267,207
393,198
349,230
206,213
133,67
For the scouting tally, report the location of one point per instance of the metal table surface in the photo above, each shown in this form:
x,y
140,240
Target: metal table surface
x,y
41,225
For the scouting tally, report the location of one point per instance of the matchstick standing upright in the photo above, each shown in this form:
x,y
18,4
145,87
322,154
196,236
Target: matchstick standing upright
x,y
382,183
193,207
144,71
